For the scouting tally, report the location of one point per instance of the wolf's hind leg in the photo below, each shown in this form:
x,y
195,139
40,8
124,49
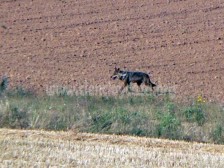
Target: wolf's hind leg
x,y
150,84
139,86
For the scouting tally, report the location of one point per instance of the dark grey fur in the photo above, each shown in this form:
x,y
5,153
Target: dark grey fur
x,y
132,77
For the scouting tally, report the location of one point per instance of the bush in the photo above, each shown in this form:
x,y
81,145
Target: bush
x,y
57,122
217,134
135,123
18,118
101,122
20,92
120,121
195,114
169,126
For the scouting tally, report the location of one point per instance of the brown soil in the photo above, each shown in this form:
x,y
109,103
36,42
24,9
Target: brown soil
x,y
71,43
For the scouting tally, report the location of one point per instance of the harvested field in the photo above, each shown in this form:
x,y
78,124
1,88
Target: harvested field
x,y
76,43
26,148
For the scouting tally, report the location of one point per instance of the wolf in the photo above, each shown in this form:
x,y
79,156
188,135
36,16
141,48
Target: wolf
x,y
132,77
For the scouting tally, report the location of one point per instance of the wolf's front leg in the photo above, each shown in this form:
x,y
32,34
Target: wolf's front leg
x,y
125,84
119,92
129,88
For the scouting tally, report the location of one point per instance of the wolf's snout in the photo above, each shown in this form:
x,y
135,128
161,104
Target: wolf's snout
x,y
113,77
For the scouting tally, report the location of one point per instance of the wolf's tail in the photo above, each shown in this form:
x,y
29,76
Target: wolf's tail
x,y
149,82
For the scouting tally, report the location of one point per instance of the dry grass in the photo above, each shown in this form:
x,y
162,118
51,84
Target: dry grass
x,y
28,148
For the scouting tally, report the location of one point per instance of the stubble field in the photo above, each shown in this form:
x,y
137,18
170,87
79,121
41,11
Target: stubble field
x,y
20,148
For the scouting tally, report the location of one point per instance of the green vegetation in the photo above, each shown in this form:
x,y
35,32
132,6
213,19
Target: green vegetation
x,y
218,134
140,115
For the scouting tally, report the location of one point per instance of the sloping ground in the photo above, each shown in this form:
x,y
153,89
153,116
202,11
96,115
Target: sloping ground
x,y
24,148
78,43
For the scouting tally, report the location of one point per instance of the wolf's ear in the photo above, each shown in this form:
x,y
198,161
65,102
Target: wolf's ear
x,y
117,69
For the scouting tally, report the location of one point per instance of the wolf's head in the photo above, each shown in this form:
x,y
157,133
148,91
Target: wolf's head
x,y
118,74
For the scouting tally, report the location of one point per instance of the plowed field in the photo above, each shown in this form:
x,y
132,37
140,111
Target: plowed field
x,y
75,43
